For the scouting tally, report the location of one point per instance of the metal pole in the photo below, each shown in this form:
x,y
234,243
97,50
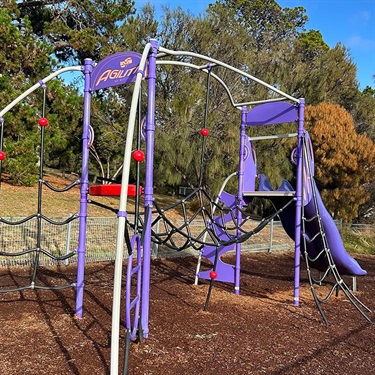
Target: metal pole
x,y
148,191
40,192
240,202
271,236
36,86
81,250
1,144
68,238
116,306
156,245
299,188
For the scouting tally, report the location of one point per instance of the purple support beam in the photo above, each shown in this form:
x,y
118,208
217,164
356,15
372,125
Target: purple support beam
x,y
88,67
299,198
148,189
240,201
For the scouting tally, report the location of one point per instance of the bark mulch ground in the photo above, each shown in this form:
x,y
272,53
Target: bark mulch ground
x,y
258,332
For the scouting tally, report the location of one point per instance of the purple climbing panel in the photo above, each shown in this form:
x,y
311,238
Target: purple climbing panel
x,y
249,166
225,272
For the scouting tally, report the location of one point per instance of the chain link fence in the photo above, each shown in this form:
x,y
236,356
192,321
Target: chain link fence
x,y
58,240
101,233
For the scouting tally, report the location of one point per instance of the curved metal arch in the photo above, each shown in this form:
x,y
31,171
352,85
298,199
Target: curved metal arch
x,y
204,69
37,85
165,52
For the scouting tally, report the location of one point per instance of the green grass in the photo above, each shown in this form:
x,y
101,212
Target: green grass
x,y
22,201
360,242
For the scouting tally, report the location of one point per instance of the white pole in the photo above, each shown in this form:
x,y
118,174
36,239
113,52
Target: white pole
x,y
36,86
122,217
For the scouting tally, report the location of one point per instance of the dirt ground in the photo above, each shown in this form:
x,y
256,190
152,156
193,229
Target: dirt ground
x,y
258,332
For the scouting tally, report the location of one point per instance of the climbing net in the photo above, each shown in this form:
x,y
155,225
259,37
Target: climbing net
x,y
323,260
219,224
39,249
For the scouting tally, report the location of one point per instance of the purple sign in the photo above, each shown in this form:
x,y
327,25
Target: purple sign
x,y
117,69
272,113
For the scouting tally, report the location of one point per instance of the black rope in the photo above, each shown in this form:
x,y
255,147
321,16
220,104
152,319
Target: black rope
x,y
35,286
208,87
127,238
32,250
18,222
40,187
211,227
38,250
57,190
211,280
325,254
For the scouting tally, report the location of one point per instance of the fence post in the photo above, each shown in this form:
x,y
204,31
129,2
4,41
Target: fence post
x,y
68,237
155,246
271,236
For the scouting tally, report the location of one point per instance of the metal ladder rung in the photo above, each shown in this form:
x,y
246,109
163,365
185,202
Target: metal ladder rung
x,y
135,300
311,218
135,269
324,251
316,235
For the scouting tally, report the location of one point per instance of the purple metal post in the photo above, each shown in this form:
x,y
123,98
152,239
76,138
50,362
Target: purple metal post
x,y
148,189
1,143
87,69
299,192
136,301
240,201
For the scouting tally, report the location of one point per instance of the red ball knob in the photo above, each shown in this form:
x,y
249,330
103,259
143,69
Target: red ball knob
x,y
2,155
138,156
204,132
43,121
213,275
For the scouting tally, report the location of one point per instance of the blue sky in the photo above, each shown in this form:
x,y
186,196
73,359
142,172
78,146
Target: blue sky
x,y
351,22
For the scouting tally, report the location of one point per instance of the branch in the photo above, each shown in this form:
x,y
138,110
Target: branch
x,y
183,176
36,3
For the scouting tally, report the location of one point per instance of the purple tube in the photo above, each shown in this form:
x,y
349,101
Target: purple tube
x,y
148,189
240,200
134,303
299,187
81,250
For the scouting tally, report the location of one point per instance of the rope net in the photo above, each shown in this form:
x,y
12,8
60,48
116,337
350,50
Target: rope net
x,y
212,223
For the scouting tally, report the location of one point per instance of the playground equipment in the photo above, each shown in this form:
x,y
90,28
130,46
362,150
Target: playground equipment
x,y
40,218
227,223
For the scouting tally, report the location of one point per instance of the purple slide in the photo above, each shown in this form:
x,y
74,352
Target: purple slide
x,y
346,264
